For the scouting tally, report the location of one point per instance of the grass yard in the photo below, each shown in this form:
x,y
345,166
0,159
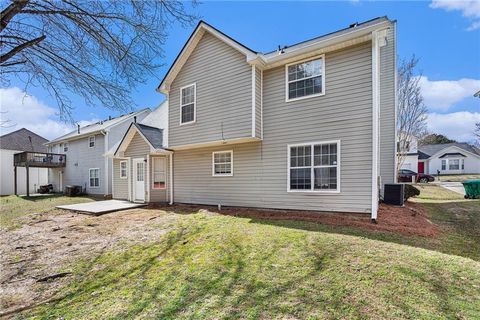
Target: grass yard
x,y
13,208
197,264
458,177
434,193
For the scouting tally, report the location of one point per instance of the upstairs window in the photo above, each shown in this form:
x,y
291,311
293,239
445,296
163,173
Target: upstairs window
x,y
187,104
305,79
314,167
222,163
65,147
91,141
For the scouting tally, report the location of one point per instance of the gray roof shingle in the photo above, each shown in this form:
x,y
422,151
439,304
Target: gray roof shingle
x,y
431,149
152,134
23,140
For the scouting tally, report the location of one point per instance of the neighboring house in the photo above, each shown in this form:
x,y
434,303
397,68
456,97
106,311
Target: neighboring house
x,y
86,150
407,152
16,142
307,127
449,158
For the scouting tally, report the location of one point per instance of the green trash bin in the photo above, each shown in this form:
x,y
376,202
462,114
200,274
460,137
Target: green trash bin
x,y
472,189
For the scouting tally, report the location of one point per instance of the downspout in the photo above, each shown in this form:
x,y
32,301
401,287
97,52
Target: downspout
x,y
375,108
171,178
105,144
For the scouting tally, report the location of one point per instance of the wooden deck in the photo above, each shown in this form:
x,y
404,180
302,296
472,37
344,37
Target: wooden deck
x,y
39,159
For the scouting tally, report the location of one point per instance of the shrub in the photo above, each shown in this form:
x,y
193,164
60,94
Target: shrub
x,y
410,191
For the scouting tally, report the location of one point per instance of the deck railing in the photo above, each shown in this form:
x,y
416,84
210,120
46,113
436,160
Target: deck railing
x,y
39,159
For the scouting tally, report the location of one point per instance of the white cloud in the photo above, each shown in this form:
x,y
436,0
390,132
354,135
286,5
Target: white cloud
x,y
441,95
25,111
456,125
469,8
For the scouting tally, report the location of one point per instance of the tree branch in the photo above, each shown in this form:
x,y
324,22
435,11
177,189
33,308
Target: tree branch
x,y
9,12
5,57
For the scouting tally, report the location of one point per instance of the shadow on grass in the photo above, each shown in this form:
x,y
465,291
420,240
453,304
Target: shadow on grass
x,y
459,223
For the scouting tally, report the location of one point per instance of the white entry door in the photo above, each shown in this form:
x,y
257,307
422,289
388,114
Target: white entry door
x,y
138,180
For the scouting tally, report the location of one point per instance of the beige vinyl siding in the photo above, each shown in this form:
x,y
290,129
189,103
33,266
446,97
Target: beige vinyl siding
x,y
387,108
224,95
260,169
120,186
158,195
138,148
258,104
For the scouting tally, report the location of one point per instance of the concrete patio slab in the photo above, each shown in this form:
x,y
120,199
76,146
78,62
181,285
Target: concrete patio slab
x,y
101,207
454,186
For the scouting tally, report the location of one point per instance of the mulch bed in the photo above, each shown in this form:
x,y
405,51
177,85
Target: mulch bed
x,y
411,219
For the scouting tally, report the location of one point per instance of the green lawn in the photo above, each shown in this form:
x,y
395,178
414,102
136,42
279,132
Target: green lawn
x,y
223,267
13,208
459,177
434,193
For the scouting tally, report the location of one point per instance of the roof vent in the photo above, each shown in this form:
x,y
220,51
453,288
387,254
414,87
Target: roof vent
x,y
281,50
78,128
109,117
135,119
353,25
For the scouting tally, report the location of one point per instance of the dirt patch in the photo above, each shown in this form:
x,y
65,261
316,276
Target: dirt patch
x,y
34,257
408,220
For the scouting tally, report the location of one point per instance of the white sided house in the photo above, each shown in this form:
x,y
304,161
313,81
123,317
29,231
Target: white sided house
x,y
86,150
307,127
20,141
449,158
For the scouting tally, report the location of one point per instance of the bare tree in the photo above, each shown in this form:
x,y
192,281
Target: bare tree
x,y
412,112
476,132
97,49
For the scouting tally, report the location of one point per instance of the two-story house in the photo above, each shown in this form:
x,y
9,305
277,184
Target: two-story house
x,y
86,149
309,127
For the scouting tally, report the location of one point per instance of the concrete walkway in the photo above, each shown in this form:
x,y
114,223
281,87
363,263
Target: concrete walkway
x,y
101,207
454,186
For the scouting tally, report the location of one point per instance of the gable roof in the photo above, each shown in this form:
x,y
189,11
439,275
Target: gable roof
x,y
153,137
152,134
97,127
23,140
432,149
272,58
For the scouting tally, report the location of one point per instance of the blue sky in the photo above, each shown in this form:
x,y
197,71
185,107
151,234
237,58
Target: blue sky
x,y
439,33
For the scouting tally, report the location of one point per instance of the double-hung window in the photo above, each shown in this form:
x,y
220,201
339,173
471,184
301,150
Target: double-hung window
x,y
453,164
305,79
314,167
222,163
94,175
65,147
444,164
91,141
159,168
188,104
123,169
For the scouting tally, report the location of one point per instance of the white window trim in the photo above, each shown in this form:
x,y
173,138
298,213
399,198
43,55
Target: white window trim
x,y
231,164
336,191
459,164
164,172
65,146
322,56
94,141
194,104
126,169
89,177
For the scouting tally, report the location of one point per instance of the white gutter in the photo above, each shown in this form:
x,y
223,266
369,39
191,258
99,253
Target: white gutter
x,y
105,148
